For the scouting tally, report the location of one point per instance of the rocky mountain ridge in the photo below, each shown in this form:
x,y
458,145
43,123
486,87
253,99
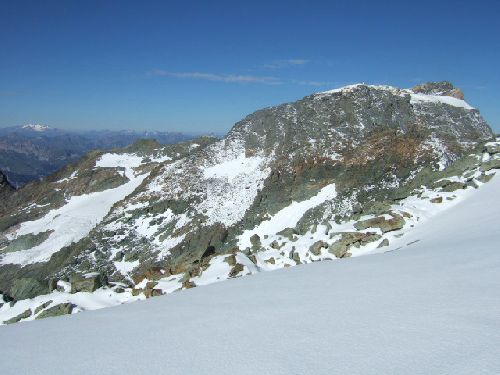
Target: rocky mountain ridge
x,y
335,174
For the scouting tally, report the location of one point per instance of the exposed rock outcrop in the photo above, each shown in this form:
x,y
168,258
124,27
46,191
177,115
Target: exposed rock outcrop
x,y
276,184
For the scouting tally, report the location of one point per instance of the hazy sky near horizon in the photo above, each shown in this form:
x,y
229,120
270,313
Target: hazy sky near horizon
x,y
202,66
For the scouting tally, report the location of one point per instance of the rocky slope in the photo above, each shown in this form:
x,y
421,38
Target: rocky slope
x,y
336,174
423,309
6,189
30,152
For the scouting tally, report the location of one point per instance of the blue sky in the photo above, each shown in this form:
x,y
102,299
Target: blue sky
x,y
202,66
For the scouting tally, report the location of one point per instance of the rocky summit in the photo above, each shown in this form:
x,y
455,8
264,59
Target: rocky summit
x,y
336,174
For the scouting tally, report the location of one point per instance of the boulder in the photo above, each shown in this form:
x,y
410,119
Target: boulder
x,y
491,164
295,257
270,260
155,273
23,315
341,247
86,283
255,241
385,225
57,310
288,233
137,291
453,186
406,214
275,245
27,287
153,293
316,247
383,243
238,267
448,185
188,284
437,200
42,306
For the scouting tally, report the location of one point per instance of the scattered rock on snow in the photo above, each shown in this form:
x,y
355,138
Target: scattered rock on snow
x,y
60,309
341,247
238,267
23,315
385,225
42,306
316,247
383,243
86,283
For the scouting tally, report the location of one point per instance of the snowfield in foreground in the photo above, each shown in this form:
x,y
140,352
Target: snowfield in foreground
x,y
431,307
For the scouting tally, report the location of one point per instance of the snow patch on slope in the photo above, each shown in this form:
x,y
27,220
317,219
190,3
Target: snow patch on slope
x,y
232,187
231,169
288,217
73,221
418,98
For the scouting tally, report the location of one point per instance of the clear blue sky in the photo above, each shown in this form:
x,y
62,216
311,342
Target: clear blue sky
x,y
201,66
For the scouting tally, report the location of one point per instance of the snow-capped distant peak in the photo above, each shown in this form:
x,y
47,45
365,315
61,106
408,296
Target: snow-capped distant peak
x,y
36,127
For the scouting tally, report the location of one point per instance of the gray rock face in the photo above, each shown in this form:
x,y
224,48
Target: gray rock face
x,y
6,189
27,288
375,143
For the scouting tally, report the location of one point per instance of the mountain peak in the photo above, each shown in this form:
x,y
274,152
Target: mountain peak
x,y
436,92
442,88
36,127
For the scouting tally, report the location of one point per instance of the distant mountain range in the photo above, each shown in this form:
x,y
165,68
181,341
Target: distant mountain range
x,y
30,152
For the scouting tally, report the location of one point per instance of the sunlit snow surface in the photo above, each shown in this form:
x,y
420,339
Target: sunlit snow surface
x,y
78,216
431,307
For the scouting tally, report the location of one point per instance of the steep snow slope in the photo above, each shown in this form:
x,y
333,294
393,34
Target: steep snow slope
x,y
428,308
78,216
